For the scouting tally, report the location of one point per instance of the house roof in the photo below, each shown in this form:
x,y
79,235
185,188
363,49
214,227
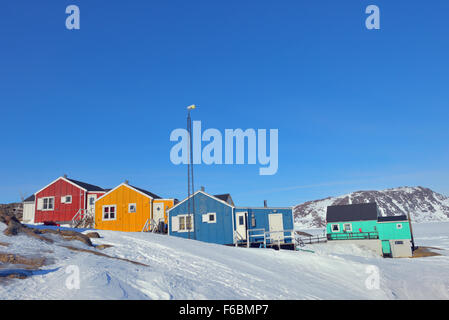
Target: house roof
x,y
225,197
152,195
392,218
352,212
87,186
139,190
30,199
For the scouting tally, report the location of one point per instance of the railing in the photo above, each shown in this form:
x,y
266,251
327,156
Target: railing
x,y
238,238
269,239
353,236
255,237
302,241
81,215
150,226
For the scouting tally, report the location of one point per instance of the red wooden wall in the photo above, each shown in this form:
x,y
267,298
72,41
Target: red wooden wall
x,y
61,212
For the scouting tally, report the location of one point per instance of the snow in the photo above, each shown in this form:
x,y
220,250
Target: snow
x,y
188,269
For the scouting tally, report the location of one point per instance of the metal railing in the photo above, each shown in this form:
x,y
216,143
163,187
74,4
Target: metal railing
x,y
265,238
353,236
302,241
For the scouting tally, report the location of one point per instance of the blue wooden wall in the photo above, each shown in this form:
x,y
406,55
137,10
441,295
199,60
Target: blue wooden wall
x,y
220,232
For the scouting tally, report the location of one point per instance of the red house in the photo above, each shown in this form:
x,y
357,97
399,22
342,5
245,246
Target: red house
x,y
64,198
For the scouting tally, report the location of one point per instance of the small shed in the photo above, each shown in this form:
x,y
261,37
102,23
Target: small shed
x,y
28,209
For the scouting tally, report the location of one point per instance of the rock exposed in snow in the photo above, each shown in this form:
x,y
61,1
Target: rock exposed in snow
x,y
423,204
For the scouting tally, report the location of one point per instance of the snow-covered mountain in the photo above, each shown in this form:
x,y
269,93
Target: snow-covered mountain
x,y
423,204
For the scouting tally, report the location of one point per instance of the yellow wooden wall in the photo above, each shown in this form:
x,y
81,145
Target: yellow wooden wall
x,y
121,197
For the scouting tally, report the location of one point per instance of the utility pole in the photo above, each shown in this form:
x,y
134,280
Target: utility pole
x,y
190,184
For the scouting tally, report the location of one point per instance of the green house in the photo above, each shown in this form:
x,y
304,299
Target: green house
x,y
362,224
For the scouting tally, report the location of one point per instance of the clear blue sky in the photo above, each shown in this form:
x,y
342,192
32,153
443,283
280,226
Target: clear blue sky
x,y
356,109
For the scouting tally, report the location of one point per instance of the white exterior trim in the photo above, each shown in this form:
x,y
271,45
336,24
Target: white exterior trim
x,y
68,181
199,191
42,199
129,207
115,212
332,227
185,223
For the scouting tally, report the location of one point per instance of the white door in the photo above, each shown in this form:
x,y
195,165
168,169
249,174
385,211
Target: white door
x,y
240,224
91,198
276,224
158,212
28,212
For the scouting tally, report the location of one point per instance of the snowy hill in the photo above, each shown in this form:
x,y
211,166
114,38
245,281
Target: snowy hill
x,y
175,268
423,204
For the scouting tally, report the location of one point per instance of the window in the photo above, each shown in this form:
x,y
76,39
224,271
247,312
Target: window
x,y
189,222
347,227
182,223
131,208
109,212
335,228
241,220
210,217
185,223
91,201
66,199
46,204
399,226
399,242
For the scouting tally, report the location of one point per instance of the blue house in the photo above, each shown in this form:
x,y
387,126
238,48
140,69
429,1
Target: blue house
x,y
217,220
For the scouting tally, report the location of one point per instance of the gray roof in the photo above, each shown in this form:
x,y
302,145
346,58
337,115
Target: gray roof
x,y
152,195
29,199
87,186
352,212
225,197
393,218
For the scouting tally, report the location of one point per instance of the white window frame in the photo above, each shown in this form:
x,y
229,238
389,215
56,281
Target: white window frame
x,y
206,217
109,214
347,224
43,203
64,199
338,227
398,225
129,207
185,223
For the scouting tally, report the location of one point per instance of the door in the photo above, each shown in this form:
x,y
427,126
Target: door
x,y
276,224
240,224
158,213
91,198
386,248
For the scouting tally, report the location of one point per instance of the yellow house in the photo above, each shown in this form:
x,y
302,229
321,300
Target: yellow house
x,y
128,208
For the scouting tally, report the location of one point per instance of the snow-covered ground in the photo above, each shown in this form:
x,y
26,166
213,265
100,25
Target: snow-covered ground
x,y
188,269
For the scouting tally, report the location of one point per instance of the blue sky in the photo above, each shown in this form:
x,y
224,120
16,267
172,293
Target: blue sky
x,y
356,109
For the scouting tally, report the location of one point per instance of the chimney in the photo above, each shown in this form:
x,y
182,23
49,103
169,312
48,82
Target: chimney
x,y
265,204
126,182
203,189
65,176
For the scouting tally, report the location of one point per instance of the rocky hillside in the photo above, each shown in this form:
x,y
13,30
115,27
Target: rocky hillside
x,y
12,209
423,204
